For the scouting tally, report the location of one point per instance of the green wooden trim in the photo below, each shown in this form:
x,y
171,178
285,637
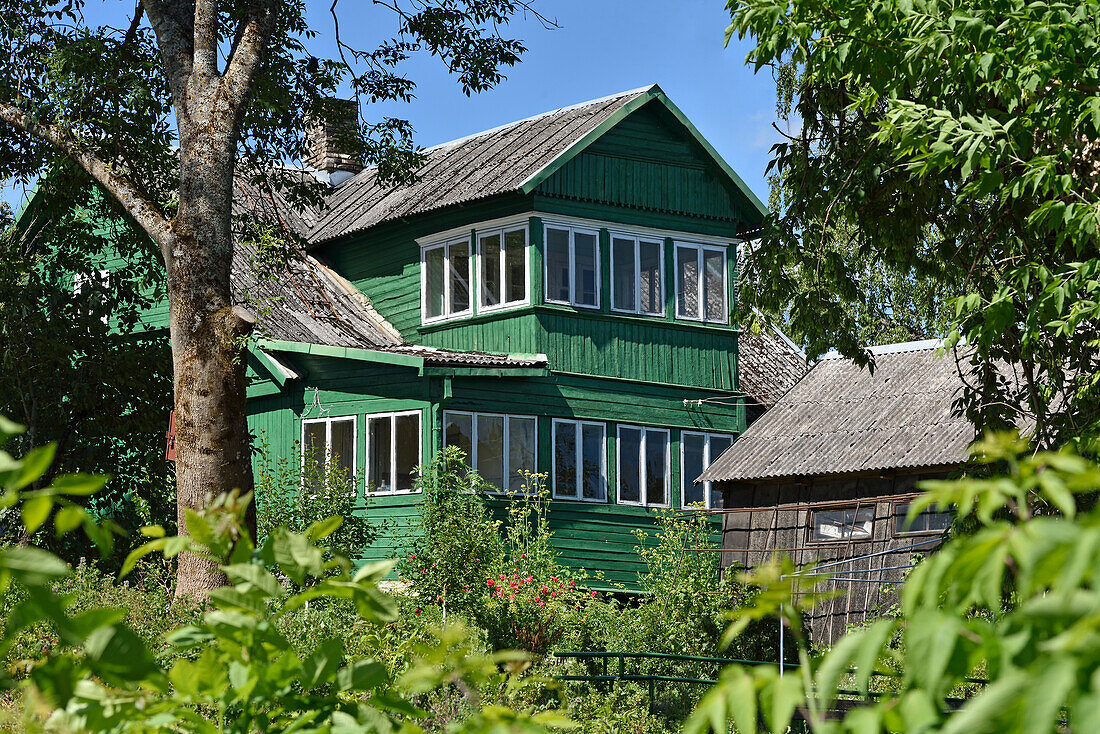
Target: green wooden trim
x,y
603,257
616,214
263,390
480,318
653,93
475,276
590,137
321,350
495,372
685,388
272,367
534,232
670,285
661,321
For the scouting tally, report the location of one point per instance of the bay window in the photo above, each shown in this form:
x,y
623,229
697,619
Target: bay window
x,y
502,258
572,257
328,451
643,466
637,266
498,447
580,471
446,273
393,451
697,452
701,282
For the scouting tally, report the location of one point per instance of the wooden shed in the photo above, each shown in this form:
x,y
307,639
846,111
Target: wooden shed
x,y
827,475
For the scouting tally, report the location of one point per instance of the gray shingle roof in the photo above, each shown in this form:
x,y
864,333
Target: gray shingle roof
x,y
480,166
768,365
841,419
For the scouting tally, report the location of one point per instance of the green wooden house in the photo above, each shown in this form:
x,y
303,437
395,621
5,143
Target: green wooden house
x,y
552,295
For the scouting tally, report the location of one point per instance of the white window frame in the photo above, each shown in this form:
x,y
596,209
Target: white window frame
x,y
642,476
637,239
446,245
573,230
700,248
508,418
501,230
578,443
87,281
328,421
851,538
707,460
393,451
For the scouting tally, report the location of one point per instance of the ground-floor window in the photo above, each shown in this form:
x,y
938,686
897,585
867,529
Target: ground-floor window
x,y
697,452
580,466
498,447
928,521
328,451
843,524
643,466
393,451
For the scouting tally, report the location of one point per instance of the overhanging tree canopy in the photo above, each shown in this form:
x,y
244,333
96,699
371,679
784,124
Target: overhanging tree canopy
x,y
163,113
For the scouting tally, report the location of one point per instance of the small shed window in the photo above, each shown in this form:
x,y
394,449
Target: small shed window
x,y
445,280
502,257
328,452
643,466
572,266
844,524
393,451
928,521
498,447
697,452
701,282
580,466
637,266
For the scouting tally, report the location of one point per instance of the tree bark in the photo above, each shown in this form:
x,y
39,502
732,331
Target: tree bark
x,y
208,334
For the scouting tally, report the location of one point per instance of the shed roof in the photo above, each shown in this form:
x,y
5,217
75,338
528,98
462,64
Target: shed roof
x,y
512,158
841,419
768,364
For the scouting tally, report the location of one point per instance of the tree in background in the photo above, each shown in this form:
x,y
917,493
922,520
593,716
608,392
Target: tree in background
x,y
950,146
163,113
74,369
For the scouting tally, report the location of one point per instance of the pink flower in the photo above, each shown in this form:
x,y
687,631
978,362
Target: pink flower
x,y
542,603
513,596
553,593
411,557
593,593
523,556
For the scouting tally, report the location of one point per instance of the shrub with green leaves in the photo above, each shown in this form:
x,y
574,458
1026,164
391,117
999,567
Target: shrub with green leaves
x,y
1016,603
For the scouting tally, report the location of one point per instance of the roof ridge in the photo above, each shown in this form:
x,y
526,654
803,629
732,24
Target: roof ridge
x,y
532,118
921,345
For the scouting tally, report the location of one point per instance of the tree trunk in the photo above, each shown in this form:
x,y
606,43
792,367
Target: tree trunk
x,y
208,334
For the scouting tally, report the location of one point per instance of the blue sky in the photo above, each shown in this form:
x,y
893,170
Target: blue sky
x,y
601,47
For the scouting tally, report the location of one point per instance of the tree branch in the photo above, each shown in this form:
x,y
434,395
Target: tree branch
x,y
206,38
144,212
247,55
173,23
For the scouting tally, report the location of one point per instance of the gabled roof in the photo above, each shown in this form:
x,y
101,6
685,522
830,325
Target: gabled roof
x,y
516,157
841,419
768,364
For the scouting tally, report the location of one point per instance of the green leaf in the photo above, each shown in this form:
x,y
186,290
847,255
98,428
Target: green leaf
x,y
30,563
78,485
118,655
198,528
374,572
362,675
34,465
296,556
741,698
36,511
253,576
140,552
68,519
152,531
320,666
324,528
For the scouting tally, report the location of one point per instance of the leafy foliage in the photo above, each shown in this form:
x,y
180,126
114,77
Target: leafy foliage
x,y
950,144
1014,603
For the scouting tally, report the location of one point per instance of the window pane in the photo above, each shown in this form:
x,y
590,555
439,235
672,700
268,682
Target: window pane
x,y
433,262
692,493
490,449
843,524
584,245
622,272
926,522
565,460
460,277
378,462
630,449
343,450
557,264
714,285
521,451
408,450
490,270
515,266
650,293
656,468
313,454
592,455
718,446
687,282
457,431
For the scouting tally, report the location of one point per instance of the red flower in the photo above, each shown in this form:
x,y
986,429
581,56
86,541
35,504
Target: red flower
x,y
593,593
490,582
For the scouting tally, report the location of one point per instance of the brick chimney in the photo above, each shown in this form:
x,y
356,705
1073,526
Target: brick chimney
x,y
329,137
